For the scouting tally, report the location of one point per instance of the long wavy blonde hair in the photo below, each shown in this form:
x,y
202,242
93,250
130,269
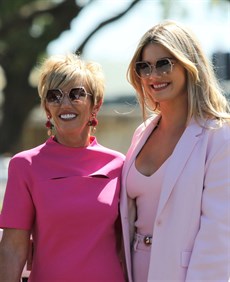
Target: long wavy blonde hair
x,y
205,96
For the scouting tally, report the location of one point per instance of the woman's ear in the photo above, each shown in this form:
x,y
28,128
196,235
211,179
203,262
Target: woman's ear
x,y
97,107
47,111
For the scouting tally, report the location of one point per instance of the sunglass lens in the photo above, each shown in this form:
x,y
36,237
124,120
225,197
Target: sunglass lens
x,y
163,65
143,69
77,93
53,96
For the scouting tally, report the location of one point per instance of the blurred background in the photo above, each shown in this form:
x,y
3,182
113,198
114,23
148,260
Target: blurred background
x,y
106,31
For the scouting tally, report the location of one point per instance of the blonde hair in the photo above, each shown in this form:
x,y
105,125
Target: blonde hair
x,y
63,70
205,97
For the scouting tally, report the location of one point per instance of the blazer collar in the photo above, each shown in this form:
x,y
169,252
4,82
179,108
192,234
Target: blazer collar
x,y
139,139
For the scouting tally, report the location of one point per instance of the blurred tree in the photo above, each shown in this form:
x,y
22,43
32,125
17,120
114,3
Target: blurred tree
x,y
26,28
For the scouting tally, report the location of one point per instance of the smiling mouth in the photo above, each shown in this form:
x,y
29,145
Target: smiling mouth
x,y
68,116
159,86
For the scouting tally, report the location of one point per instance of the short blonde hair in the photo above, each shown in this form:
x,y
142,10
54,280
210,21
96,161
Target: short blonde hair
x,y
63,70
205,97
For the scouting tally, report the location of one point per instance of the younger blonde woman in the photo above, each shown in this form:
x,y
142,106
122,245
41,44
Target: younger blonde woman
x,y
176,177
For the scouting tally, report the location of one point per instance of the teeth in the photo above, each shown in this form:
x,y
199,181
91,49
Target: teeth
x,y
68,116
159,85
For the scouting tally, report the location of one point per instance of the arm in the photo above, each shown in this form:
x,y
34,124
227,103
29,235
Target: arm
x,y
210,259
14,248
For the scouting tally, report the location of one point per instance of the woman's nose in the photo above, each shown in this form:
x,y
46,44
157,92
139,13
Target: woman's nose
x,y
66,100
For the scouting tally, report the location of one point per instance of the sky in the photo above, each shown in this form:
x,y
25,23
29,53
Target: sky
x,y
115,44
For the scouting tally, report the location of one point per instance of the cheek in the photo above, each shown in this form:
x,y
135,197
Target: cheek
x,y
144,84
87,112
181,78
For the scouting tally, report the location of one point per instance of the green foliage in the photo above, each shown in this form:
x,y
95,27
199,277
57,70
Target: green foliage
x,y
26,28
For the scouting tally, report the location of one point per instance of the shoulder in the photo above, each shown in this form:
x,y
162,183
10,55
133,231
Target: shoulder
x,y
27,156
216,131
151,121
110,152
103,152
216,138
110,161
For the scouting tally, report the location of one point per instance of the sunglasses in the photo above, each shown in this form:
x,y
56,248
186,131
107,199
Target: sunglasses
x,y
56,96
160,68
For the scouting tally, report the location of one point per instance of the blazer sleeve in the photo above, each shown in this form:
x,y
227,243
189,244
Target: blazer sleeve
x,y
210,258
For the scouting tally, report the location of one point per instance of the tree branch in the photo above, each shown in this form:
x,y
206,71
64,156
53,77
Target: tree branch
x,y
29,12
104,23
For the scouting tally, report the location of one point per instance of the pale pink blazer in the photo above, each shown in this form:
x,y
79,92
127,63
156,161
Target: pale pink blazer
x,y
191,234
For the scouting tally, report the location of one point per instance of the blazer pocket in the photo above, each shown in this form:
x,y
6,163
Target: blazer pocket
x,y
185,258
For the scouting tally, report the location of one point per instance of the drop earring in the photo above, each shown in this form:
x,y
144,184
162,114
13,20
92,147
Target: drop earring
x,y
93,120
49,126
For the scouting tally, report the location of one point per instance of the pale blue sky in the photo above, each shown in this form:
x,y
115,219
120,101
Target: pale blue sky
x,y
114,45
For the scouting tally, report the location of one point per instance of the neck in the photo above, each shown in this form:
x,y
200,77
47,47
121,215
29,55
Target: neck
x,y
174,116
69,141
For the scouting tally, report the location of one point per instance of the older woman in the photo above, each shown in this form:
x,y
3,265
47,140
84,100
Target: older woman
x,y
64,192
175,196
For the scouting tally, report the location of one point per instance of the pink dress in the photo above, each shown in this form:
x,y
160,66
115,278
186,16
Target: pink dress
x,y
140,187
69,198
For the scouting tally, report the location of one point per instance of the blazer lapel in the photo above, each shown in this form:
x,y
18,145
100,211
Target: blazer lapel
x,y
177,161
138,142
